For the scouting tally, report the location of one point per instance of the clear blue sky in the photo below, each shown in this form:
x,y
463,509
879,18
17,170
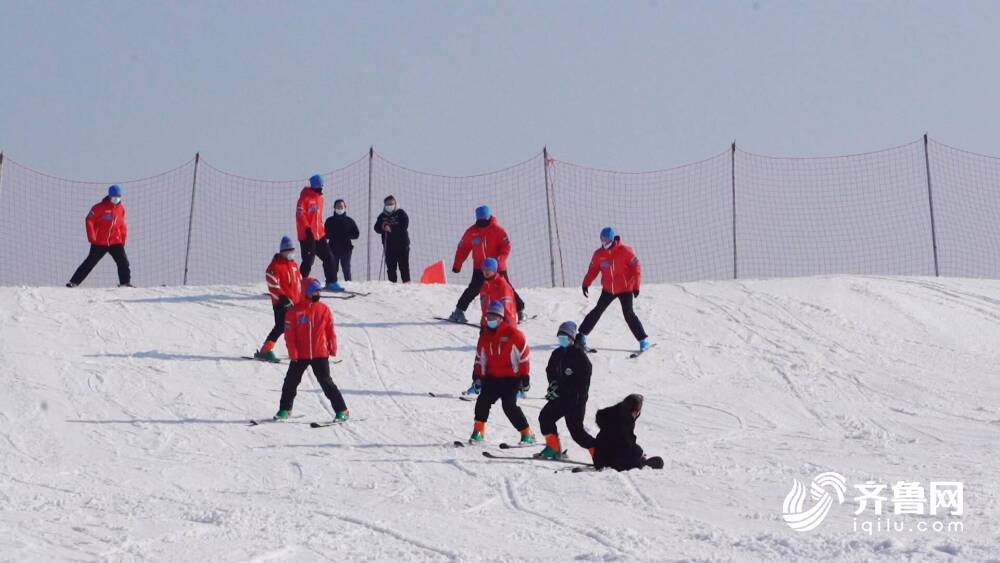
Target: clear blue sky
x,y
121,89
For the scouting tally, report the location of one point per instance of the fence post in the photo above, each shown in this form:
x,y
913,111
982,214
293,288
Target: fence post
x,y
368,258
194,185
1,173
732,164
549,205
930,202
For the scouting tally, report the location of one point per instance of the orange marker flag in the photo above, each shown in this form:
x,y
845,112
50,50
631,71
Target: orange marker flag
x,y
434,273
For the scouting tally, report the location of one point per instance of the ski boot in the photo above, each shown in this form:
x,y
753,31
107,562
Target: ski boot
x,y
333,286
521,316
478,433
655,462
282,415
476,387
343,416
553,449
581,339
644,344
70,284
266,356
125,285
458,316
527,437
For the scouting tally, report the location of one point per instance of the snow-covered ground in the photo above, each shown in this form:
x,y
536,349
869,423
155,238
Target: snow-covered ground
x,y
123,430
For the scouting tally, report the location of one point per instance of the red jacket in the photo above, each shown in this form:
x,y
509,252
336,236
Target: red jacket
x,y
309,331
284,280
490,241
498,289
106,224
619,267
502,352
309,214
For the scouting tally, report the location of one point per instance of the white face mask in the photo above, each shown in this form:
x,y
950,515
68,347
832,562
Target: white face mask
x,y
339,211
116,200
606,244
390,208
289,255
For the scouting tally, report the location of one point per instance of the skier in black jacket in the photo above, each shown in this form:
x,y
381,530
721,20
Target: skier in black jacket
x,y
340,231
616,447
568,372
393,225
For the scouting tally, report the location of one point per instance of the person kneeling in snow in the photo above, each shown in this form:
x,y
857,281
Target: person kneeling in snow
x,y
615,445
311,340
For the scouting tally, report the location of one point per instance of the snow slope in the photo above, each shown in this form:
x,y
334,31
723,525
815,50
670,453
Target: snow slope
x,y
123,426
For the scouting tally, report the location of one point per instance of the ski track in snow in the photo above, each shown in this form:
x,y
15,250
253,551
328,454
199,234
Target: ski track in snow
x,y
123,426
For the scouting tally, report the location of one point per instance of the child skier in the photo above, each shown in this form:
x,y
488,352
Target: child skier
x,y
284,283
502,369
310,228
496,288
107,231
311,340
621,275
568,372
615,446
483,239
340,231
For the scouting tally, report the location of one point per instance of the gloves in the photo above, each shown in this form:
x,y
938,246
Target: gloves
x,y
586,291
284,302
553,392
525,384
457,270
635,292
309,235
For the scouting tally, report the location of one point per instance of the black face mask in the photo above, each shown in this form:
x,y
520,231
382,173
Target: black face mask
x,y
482,222
315,297
318,190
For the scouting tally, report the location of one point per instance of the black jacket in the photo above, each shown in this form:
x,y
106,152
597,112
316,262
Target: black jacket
x,y
569,372
616,447
400,223
340,231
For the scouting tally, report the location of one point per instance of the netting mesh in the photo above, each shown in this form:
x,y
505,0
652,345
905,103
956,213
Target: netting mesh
x,y
861,214
238,222
442,207
679,221
966,209
42,226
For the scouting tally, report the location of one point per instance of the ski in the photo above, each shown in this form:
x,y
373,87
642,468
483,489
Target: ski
x,y
332,423
357,293
264,361
462,444
457,322
491,455
506,446
590,469
591,350
634,355
343,295
259,421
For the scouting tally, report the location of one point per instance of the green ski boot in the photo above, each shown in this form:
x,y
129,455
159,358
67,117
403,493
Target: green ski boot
x,y
266,356
476,438
282,415
527,439
549,453
343,416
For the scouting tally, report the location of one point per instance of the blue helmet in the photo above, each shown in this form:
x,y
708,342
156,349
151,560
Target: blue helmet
x,y
496,308
491,264
483,213
115,191
287,243
312,287
608,234
316,181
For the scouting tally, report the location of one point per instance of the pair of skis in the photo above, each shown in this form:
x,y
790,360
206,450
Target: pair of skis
x,y
280,360
504,446
474,325
261,421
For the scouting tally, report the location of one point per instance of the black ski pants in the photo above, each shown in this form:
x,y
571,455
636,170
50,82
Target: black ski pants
x,y
280,308
602,303
505,389
397,258
573,413
117,252
312,248
321,369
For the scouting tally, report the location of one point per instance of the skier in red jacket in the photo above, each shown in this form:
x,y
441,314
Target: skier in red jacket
x,y
311,340
483,239
311,230
107,231
502,369
621,275
284,283
496,288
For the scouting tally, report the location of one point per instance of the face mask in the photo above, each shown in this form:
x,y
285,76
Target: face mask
x,y
493,324
390,208
339,211
606,244
116,200
289,256
563,341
